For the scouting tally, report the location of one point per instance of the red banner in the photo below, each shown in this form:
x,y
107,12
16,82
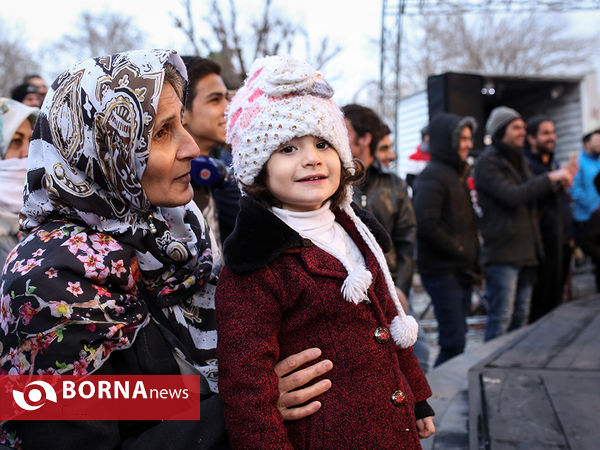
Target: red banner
x,y
99,397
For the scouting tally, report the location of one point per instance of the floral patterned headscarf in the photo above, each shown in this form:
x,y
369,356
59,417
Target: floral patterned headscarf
x,y
98,251
91,144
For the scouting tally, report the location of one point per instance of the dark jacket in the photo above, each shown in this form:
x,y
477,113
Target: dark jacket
x,y
149,355
384,194
507,194
554,209
446,224
226,195
280,294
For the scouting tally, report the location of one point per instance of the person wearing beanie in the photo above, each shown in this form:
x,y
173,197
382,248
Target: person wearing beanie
x,y
448,248
555,218
26,94
305,267
512,245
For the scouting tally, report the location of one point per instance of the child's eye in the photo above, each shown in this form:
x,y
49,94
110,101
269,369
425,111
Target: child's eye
x,y
287,149
322,145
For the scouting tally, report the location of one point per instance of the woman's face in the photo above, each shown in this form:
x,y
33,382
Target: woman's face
x,y
19,144
166,180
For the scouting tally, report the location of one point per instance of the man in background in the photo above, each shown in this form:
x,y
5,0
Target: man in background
x,y
204,118
448,247
587,201
385,149
26,94
555,221
38,82
512,244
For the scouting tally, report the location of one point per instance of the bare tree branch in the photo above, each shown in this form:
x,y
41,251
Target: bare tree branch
x,y
262,29
499,44
270,34
187,27
101,34
236,38
16,61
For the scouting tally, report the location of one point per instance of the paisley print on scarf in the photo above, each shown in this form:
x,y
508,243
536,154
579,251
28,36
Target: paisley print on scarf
x,y
78,286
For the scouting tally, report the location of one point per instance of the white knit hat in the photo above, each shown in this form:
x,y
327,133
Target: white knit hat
x,y
284,98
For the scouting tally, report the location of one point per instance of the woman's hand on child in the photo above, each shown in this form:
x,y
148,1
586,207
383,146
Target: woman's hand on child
x,y
425,427
290,379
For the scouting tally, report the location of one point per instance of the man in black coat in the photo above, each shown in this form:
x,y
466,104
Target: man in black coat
x,y
556,221
447,245
507,193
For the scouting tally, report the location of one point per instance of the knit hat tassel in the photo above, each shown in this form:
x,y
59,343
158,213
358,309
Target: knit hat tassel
x,y
356,285
404,328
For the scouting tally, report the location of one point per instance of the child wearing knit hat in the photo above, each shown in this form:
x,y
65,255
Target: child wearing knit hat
x,y
305,268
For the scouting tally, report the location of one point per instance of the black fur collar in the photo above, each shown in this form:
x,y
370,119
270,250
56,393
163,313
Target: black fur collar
x,y
260,236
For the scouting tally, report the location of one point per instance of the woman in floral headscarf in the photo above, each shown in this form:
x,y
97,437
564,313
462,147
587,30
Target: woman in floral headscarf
x,y
16,126
110,247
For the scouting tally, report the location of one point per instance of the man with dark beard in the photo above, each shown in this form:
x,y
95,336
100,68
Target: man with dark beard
x,y
555,221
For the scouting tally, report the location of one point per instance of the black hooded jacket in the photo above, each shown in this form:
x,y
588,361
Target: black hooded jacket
x,y
446,224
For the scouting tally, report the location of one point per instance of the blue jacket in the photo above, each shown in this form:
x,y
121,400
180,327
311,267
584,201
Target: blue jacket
x,y
584,192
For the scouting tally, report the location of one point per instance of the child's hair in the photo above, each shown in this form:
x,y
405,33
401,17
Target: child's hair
x,y
259,190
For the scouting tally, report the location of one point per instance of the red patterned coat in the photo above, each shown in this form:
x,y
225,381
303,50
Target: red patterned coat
x,y
280,294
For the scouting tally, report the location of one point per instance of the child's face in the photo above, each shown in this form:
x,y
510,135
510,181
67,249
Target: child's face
x,y
303,173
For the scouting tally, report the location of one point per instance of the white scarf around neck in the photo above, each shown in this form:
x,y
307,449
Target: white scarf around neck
x,y
321,228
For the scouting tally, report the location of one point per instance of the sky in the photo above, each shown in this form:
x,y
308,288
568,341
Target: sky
x,y
353,24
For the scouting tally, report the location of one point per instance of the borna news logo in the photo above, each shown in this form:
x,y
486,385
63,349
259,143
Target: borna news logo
x,y
99,397
32,398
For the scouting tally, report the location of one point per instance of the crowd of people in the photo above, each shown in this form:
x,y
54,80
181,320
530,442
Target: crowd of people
x,y
271,220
